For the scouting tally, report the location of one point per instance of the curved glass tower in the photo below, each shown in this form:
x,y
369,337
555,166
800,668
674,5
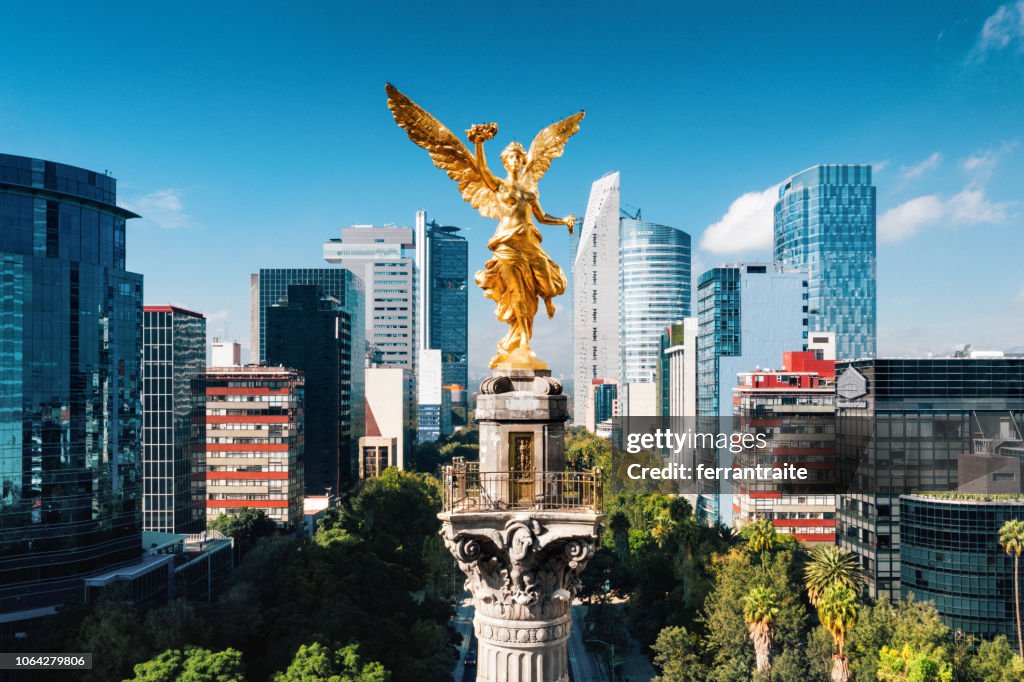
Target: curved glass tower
x,y
825,222
654,292
70,378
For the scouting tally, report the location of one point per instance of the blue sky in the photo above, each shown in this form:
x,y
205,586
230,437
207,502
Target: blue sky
x,y
247,134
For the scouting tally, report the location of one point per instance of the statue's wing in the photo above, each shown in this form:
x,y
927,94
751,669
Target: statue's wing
x,y
446,150
548,145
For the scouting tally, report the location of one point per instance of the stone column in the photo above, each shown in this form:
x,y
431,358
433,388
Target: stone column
x,y
523,572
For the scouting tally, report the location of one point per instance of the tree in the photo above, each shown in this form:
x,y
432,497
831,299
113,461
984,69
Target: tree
x,y
761,538
908,665
395,513
1011,539
247,526
995,661
318,662
831,565
908,622
760,608
192,665
677,654
838,610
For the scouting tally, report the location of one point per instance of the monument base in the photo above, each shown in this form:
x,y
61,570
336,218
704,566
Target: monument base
x,y
521,527
523,572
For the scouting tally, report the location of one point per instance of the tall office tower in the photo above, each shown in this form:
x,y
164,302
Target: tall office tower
x,y
677,371
906,421
443,259
173,420
795,409
595,294
385,259
747,317
825,223
225,353
270,286
311,332
70,384
390,420
254,442
654,292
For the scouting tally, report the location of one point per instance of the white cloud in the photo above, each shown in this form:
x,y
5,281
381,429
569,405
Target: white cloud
x,y
1004,27
1002,30
746,226
981,164
879,166
967,207
909,174
162,207
1020,297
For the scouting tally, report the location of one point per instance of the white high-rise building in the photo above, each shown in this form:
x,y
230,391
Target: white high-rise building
x,y
385,259
595,281
225,353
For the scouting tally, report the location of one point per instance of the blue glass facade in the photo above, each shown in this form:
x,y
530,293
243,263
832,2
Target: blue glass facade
x,y
654,292
70,383
174,420
825,222
950,555
604,400
748,315
448,268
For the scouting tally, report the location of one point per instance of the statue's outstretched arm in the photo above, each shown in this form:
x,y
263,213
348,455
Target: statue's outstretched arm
x,y
547,219
481,165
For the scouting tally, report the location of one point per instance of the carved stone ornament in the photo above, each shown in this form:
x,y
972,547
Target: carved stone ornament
x,y
524,572
493,385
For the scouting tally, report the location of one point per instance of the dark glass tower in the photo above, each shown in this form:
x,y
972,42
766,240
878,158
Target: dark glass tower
x,y
447,303
174,420
70,380
825,223
309,331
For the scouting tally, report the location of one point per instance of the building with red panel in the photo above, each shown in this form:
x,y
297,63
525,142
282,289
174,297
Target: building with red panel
x,y
795,408
255,442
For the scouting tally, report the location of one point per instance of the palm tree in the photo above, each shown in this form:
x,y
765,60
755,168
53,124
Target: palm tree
x,y
838,610
1011,539
760,608
831,565
761,538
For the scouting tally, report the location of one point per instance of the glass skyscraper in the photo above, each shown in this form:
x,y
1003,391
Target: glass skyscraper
x,y
310,332
270,288
443,258
748,315
654,292
173,420
825,222
70,383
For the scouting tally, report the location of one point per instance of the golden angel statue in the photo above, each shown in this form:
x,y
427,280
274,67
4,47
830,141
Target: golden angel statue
x,y
520,273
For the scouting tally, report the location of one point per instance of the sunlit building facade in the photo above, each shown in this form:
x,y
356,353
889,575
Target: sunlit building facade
x,y
255,442
173,420
654,292
825,223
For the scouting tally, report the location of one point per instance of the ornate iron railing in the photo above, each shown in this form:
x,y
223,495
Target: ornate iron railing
x,y
467,489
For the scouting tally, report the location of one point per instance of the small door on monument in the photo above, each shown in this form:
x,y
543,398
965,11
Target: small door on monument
x,y
522,476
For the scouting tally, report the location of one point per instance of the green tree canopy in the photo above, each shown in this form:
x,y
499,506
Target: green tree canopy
x,y
321,663
192,665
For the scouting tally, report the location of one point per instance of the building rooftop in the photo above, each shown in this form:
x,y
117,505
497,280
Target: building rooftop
x,y
968,498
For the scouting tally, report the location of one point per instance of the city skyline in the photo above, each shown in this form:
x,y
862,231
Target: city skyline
x,y
289,134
